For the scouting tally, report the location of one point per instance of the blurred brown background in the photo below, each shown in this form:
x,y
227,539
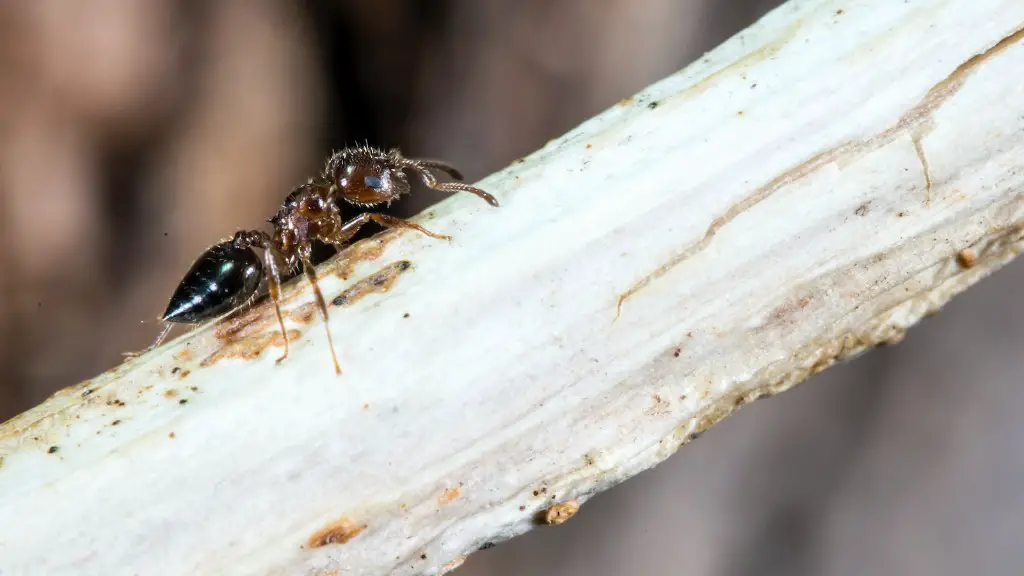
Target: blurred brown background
x,y
133,134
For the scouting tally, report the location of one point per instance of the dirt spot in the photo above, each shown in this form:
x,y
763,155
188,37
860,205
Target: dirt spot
x,y
171,435
652,105
184,374
448,495
785,314
185,354
52,450
863,209
303,314
338,532
249,348
249,321
967,258
560,513
660,407
170,393
376,283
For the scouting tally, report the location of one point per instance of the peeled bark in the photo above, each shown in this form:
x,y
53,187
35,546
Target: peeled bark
x,y
805,192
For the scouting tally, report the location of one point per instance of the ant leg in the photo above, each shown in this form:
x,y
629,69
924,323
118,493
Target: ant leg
x,y
419,167
257,239
159,339
274,287
311,274
349,229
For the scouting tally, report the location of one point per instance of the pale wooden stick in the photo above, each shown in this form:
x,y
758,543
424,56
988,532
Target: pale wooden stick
x,y
808,190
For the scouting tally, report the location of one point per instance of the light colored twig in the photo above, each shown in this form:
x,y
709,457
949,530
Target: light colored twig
x,y
808,190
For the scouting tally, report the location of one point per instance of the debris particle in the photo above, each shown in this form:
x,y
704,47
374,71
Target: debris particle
x,y
448,495
967,258
560,513
52,450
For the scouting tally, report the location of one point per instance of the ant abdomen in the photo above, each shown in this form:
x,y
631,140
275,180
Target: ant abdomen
x,y
221,279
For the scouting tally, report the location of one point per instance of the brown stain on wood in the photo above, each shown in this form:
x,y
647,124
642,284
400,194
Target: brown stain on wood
x,y
919,149
376,283
917,121
363,251
304,314
452,564
338,532
250,347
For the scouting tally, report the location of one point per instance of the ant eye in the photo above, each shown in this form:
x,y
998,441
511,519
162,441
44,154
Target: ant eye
x,y
374,182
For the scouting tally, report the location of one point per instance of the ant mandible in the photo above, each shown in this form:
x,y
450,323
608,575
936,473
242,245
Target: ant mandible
x,y
229,273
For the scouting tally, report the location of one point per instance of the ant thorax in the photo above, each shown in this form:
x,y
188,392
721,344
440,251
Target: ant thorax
x,y
307,214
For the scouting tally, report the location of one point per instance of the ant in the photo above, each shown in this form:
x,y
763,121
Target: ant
x,y
228,274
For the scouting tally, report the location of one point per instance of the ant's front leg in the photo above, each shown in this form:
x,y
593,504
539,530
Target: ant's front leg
x,y
257,239
350,228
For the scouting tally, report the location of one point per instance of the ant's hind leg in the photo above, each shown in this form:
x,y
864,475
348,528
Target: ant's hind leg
x,y
322,304
159,339
274,287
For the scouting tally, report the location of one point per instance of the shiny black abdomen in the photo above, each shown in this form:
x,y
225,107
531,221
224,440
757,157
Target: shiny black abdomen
x,y
222,279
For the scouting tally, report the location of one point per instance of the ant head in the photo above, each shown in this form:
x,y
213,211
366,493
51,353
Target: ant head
x,y
221,279
365,177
